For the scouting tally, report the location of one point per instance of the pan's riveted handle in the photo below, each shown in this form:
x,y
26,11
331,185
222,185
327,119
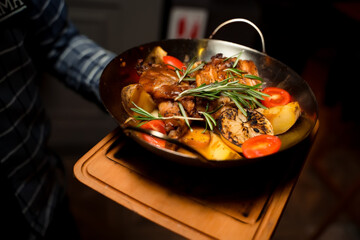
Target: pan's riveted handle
x,y
241,20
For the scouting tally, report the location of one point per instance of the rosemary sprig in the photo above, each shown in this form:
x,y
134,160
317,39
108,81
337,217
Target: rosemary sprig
x,y
235,70
253,77
209,121
242,95
146,116
211,91
183,73
183,112
237,55
238,100
241,74
237,59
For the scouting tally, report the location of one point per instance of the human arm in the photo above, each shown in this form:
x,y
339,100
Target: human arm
x,y
63,51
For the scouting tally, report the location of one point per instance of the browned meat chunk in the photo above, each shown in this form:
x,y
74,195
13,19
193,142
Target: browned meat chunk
x,y
190,106
249,67
162,83
174,127
214,71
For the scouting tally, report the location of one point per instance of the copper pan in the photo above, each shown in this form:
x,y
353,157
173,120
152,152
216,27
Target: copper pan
x,y
121,71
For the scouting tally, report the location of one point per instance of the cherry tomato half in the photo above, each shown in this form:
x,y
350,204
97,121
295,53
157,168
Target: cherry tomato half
x,y
156,125
278,97
173,62
261,145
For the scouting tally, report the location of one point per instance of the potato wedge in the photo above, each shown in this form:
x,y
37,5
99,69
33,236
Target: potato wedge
x,y
283,117
135,93
215,150
197,138
156,55
218,150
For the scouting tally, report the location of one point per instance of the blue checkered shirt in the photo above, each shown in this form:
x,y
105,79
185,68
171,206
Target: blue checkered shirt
x,y
35,36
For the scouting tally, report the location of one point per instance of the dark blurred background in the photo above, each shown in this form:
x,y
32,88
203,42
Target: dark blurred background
x,y
318,39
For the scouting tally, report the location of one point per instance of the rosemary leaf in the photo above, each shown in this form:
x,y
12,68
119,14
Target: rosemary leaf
x,y
259,104
253,77
183,112
189,79
141,111
141,123
239,106
237,59
235,70
215,110
237,55
189,69
256,94
178,73
209,120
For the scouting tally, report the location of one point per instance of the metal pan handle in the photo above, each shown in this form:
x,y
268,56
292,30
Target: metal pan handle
x,y
129,129
241,20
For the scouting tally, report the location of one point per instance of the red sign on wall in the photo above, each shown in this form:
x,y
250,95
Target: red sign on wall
x,y
186,22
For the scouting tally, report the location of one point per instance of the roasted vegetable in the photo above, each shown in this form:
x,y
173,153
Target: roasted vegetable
x,y
135,93
235,128
218,150
173,62
156,55
156,125
197,138
261,145
215,150
278,97
282,118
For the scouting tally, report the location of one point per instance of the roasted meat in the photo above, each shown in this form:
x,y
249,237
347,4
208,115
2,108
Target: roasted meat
x,y
213,71
175,128
162,83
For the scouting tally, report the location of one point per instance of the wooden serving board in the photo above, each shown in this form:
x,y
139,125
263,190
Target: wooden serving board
x,y
197,203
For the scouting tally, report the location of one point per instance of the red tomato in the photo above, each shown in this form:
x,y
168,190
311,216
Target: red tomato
x,y
261,145
278,97
173,62
156,125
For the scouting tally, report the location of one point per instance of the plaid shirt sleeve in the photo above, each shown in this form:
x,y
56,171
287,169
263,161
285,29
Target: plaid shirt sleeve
x,y
72,57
